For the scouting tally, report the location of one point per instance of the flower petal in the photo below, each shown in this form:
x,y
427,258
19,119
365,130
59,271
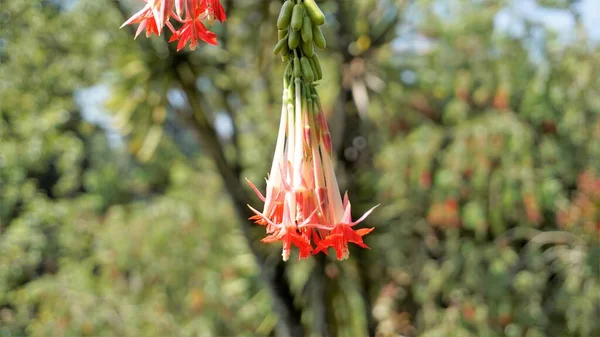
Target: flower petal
x,y
364,216
218,10
137,17
260,196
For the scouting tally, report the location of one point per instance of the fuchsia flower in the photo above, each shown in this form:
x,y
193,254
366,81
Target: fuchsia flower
x,y
303,204
150,18
157,13
193,30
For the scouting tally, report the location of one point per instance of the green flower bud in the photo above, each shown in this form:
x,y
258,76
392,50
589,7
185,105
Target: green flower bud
x,y
317,73
306,30
317,63
285,15
294,39
279,45
308,49
297,17
306,70
314,12
318,37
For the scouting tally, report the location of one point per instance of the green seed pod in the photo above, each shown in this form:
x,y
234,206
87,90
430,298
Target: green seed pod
x,y
285,51
285,15
285,58
294,39
318,75
279,46
297,69
318,37
308,49
306,70
314,12
281,33
317,63
306,30
297,17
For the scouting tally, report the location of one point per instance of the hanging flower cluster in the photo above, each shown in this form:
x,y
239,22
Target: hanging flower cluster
x,y
303,206
190,13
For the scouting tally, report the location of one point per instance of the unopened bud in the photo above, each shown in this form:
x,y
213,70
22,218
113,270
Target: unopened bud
x,y
306,30
297,17
318,37
314,12
306,70
294,39
285,15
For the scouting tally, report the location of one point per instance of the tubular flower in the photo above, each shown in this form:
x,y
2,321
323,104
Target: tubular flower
x,y
302,204
157,14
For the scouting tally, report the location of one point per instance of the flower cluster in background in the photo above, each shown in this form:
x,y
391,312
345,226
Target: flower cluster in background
x,y
189,13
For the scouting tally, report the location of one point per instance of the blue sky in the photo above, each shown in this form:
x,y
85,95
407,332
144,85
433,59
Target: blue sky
x,y
511,20
561,21
591,17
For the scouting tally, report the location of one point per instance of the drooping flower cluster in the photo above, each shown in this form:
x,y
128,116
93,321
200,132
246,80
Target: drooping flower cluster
x,y
303,205
157,14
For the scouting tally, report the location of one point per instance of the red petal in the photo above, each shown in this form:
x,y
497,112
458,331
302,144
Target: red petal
x,y
329,241
355,237
341,248
302,244
174,37
205,34
182,41
218,10
317,240
364,231
151,28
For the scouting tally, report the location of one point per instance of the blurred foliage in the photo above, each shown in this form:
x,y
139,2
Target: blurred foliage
x,y
482,145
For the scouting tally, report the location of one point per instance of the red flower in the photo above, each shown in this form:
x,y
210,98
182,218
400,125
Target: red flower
x,y
303,204
157,13
289,232
145,17
216,10
290,236
342,233
192,31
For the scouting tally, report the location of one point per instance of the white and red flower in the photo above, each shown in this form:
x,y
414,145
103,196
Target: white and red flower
x,y
157,14
303,205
